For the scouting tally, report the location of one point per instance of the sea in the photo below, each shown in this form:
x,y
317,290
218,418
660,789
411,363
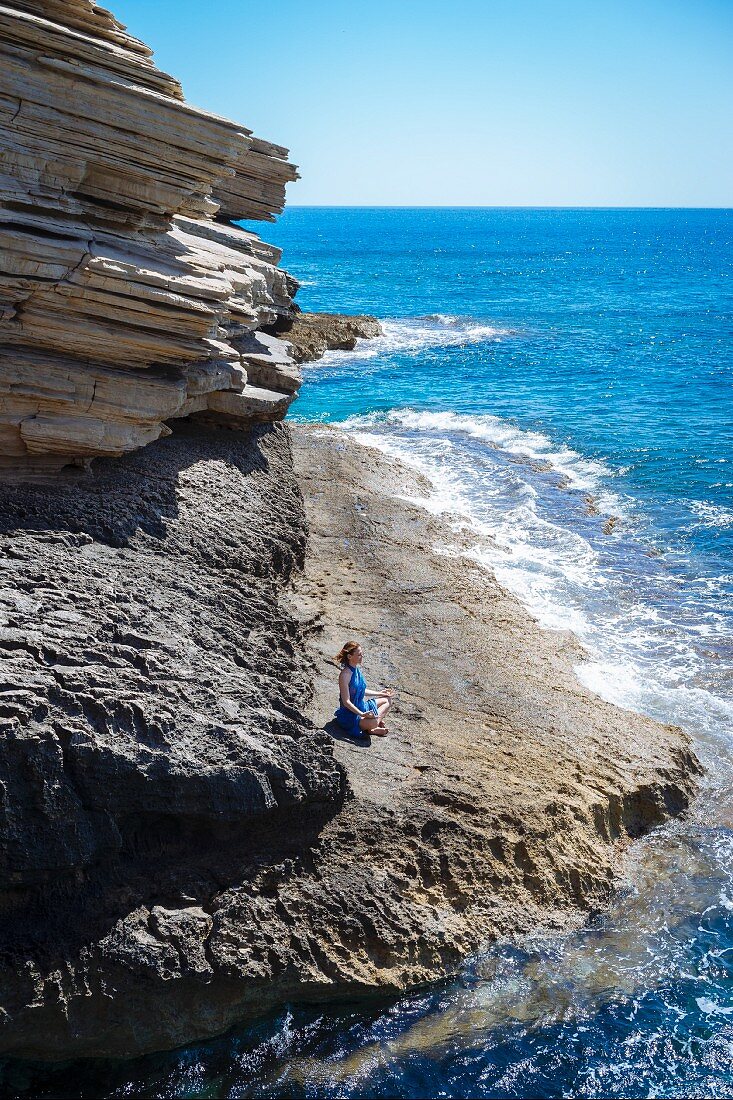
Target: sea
x,y
564,379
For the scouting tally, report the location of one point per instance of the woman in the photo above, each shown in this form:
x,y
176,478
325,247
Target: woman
x,y
357,716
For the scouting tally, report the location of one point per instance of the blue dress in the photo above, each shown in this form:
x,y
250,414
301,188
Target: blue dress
x,y
346,718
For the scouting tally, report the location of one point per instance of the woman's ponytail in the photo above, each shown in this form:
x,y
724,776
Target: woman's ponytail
x,y
342,657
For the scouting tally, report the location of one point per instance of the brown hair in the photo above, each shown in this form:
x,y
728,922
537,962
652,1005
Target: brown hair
x,y
342,657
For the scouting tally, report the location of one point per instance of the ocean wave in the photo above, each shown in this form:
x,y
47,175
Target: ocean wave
x,y
711,515
412,335
645,648
579,472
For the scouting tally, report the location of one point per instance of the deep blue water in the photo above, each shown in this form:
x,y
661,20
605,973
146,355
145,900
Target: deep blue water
x,y
554,370
564,378
619,330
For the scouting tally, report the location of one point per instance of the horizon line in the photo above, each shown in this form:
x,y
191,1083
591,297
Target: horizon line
x,y
478,206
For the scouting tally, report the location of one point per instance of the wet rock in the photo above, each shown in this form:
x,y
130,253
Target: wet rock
x,y
311,335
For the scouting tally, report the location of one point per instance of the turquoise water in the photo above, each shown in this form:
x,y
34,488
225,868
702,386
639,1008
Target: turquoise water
x,y
557,373
564,380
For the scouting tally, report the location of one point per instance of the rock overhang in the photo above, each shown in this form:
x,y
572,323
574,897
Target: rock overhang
x,y
126,297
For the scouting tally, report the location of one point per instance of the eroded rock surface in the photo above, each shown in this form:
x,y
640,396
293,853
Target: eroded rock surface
x,y
147,671
151,714
311,335
122,300
182,842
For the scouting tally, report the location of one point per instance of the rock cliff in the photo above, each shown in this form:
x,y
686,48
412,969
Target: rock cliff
x,y
125,297
180,842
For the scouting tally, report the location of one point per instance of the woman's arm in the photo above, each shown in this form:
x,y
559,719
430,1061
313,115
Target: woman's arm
x,y
344,681
385,693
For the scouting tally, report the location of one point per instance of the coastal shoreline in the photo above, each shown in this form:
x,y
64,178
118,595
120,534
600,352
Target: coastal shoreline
x,y
533,786
501,803
188,843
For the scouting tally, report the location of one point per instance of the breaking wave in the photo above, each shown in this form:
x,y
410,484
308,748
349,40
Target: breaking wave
x,y
556,530
412,335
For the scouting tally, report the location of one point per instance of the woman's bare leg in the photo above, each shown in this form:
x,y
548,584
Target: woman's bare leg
x,y
383,710
373,725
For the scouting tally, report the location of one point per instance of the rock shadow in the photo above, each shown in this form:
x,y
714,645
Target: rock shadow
x,y
171,863
117,498
338,733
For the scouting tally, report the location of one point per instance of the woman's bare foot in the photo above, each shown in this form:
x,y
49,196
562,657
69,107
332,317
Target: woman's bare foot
x,y
381,730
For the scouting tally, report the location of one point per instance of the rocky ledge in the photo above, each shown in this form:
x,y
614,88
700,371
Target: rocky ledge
x,y
187,838
311,335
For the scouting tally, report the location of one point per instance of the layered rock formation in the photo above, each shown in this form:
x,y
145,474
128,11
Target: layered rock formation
x,y
124,299
180,845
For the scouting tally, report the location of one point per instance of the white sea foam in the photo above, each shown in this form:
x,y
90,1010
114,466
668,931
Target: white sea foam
x,y
643,652
710,1007
412,335
589,475
711,515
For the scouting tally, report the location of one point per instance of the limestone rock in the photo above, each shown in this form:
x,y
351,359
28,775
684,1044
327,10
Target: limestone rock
x,y
257,189
311,335
121,298
269,362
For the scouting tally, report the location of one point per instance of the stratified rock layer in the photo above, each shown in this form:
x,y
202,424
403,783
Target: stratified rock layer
x,y
122,301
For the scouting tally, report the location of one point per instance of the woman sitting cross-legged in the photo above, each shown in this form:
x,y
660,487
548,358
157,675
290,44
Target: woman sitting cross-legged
x,y
357,714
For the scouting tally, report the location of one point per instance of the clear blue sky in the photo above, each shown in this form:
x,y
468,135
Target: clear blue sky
x,y
469,102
